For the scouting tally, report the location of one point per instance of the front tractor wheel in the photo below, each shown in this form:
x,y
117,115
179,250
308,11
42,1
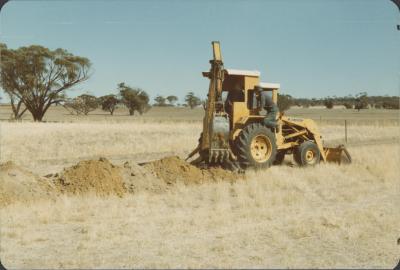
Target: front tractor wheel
x,y
307,154
256,146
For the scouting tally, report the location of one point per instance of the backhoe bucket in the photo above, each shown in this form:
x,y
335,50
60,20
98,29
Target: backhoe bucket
x,y
338,154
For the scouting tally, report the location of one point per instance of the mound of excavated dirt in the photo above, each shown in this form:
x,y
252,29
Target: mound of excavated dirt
x,y
217,174
173,170
103,178
137,178
18,184
98,176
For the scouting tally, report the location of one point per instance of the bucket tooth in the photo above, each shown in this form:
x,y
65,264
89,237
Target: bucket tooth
x,y
216,155
223,156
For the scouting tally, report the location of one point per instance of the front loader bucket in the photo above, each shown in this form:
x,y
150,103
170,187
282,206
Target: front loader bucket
x,y
338,154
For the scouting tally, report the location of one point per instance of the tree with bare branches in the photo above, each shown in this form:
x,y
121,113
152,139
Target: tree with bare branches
x,y
39,77
18,110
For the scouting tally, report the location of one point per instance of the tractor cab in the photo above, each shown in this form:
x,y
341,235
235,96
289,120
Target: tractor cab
x,y
240,97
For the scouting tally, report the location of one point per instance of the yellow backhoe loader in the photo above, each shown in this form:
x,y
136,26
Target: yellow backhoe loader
x,y
238,138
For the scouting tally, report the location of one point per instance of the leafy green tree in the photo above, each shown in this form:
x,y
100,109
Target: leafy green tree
x,y
89,103
361,101
160,101
109,103
144,108
284,102
39,77
172,100
328,102
348,105
192,101
135,99
313,102
82,104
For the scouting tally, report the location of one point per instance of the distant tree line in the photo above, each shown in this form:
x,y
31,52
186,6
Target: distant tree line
x,y
357,102
134,99
191,100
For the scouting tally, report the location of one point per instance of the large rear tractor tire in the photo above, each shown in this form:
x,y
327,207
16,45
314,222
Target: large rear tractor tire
x,y
307,154
256,146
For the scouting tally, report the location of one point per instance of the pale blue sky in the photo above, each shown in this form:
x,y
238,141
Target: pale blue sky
x,y
313,48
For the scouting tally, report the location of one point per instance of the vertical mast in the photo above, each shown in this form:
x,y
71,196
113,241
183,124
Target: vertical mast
x,y
214,93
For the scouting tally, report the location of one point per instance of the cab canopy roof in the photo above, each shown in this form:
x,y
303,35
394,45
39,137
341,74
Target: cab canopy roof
x,y
253,73
266,85
238,72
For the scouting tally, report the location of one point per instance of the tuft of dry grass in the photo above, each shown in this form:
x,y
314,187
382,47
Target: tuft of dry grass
x,y
328,216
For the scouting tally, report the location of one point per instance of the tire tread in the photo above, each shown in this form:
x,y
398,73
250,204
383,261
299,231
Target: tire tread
x,y
243,141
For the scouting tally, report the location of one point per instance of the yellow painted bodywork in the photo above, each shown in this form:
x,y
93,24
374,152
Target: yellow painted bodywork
x,y
289,133
306,128
217,51
301,129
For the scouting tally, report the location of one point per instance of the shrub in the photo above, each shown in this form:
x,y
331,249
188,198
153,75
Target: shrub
x,y
135,99
192,101
284,102
348,105
328,103
109,103
82,104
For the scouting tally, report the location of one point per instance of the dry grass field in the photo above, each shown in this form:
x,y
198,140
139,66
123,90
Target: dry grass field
x,y
328,216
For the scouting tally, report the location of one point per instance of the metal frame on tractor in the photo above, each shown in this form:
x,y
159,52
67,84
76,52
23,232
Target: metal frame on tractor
x,y
221,129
